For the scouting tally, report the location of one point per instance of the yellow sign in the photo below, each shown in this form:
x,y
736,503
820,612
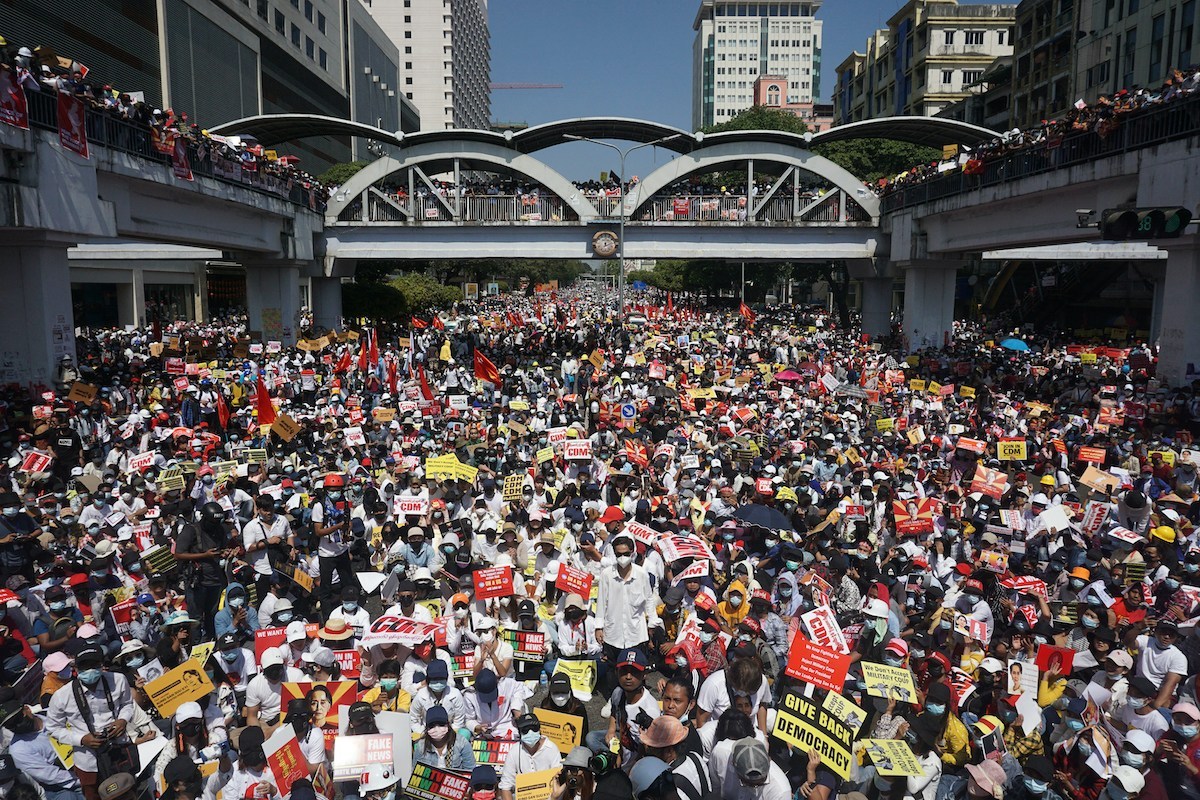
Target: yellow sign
x,y
382,414
536,785
512,487
1087,358
302,579
545,454
886,424
596,360
916,385
845,711
934,387
702,394
885,681
201,652
187,682
581,673
892,757
1011,451
966,391
1168,456
801,723
565,730
519,405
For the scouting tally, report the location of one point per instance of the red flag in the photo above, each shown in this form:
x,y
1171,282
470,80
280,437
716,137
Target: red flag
x,y
222,410
374,353
418,323
343,364
266,411
670,304
745,311
392,382
426,392
485,370
362,353
437,323
637,453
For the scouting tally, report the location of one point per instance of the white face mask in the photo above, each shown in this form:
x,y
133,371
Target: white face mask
x,y
460,613
487,637
624,561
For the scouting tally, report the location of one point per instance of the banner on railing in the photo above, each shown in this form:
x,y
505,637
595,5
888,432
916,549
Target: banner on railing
x,y
14,108
680,207
181,164
72,122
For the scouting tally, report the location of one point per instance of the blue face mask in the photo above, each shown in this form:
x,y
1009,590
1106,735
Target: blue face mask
x,y
284,616
350,606
1075,724
335,496
229,656
791,566
1186,731
389,684
1090,624
58,605
1135,760
530,738
237,602
437,686
90,677
1034,786
1171,584
1084,748
937,709
892,662
136,661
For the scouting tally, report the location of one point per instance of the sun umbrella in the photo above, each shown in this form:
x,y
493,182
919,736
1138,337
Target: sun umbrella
x,y
762,517
1014,344
788,375
809,366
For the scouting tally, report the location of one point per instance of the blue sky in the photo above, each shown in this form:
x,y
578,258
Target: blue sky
x,y
629,58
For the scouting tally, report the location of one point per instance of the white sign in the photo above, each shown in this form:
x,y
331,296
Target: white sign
x,y
823,629
354,436
415,506
578,450
459,402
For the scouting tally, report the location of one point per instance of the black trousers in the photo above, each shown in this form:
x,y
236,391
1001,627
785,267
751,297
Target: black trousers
x,y
328,594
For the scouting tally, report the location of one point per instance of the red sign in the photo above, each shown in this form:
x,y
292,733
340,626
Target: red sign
x,y
991,482
574,581
1093,455
35,462
72,129
493,582
181,384
817,665
350,661
287,763
970,445
181,163
122,614
913,517
14,110
266,638
680,208
1062,658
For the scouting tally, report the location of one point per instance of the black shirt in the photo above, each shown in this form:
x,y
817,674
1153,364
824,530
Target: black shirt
x,y
208,571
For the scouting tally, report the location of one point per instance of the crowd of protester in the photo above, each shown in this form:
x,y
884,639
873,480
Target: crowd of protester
x,y
1103,118
41,70
534,552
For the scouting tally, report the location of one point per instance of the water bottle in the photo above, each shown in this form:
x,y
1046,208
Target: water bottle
x,y
542,679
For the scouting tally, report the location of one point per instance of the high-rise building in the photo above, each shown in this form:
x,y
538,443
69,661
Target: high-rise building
x,y
736,42
928,58
221,60
446,50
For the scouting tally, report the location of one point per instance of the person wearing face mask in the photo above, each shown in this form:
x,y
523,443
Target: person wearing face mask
x,y
492,704
331,522
492,652
389,694
441,745
436,692
264,537
90,714
202,547
1126,783
1137,752
18,536
535,753
263,692
1179,750
237,616
627,606
1138,712
193,737
32,749
1159,660
560,698
1073,779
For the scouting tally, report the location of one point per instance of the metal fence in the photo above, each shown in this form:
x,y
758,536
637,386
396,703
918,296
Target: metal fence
x,y
1171,121
384,207
133,139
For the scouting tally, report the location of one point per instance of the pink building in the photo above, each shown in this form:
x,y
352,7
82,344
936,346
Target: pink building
x,y
770,91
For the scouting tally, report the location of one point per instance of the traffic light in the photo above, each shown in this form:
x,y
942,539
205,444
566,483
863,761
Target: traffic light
x,y
1118,224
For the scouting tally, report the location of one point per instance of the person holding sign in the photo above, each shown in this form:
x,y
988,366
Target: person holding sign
x,y
534,754
441,745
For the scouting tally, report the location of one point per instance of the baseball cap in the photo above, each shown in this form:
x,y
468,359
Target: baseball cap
x,y
321,656
115,786
1121,658
296,631
645,772
483,775
188,711
750,761
271,657
485,686
1187,709
632,658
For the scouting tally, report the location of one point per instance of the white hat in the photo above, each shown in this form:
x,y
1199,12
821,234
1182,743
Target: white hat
x,y
189,710
271,657
1129,778
105,548
1139,740
484,623
296,631
1040,499
876,608
379,777
992,665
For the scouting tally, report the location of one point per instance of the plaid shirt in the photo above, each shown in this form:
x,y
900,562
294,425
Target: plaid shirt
x,y
1020,745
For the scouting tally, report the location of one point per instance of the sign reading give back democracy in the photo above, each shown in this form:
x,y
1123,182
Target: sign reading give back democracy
x,y
801,723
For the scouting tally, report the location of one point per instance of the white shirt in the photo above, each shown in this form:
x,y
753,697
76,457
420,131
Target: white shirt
x,y
264,695
520,761
333,544
65,722
627,607
1156,664
258,531
714,695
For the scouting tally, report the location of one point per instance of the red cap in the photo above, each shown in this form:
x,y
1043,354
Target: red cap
x,y
287,483
77,580
963,569
761,594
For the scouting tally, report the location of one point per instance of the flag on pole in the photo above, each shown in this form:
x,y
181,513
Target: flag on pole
x,y
745,311
392,376
670,304
485,370
343,364
426,392
222,411
373,354
362,352
266,411
419,324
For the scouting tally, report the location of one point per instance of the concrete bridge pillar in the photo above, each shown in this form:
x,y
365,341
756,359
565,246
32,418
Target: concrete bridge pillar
x,y
929,303
327,303
37,325
877,306
273,299
1179,327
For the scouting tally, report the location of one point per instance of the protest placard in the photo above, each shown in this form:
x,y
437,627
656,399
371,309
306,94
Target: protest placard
x,y
536,785
801,723
822,626
820,666
493,582
884,681
582,674
187,682
565,730
353,755
432,783
572,580
892,757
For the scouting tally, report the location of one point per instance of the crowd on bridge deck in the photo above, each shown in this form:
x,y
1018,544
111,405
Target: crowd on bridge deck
x,y
40,69
1102,117
744,554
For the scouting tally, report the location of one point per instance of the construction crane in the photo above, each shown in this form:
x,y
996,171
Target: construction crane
x,y
525,86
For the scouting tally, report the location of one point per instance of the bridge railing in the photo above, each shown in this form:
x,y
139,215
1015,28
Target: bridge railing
x,y
784,209
134,139
1156,125
469,210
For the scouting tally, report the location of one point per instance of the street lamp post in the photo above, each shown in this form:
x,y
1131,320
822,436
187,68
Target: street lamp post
x,y
621,199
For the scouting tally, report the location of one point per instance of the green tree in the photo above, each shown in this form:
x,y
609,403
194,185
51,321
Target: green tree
x,y
374,301
423,293
760,118
872,159
338,174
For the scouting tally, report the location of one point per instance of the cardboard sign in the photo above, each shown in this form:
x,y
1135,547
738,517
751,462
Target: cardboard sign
x,y
431,783
512,487
536,785
1011,450
302,579
844,711
823,629
1100,481
582,675
820,666
528,646
350,661
572,580
493,582
285,758
122,614
142,461
82,393
576,450
186,683
565,730
35,462
892,757
801,723
884,681
285,427
353,755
